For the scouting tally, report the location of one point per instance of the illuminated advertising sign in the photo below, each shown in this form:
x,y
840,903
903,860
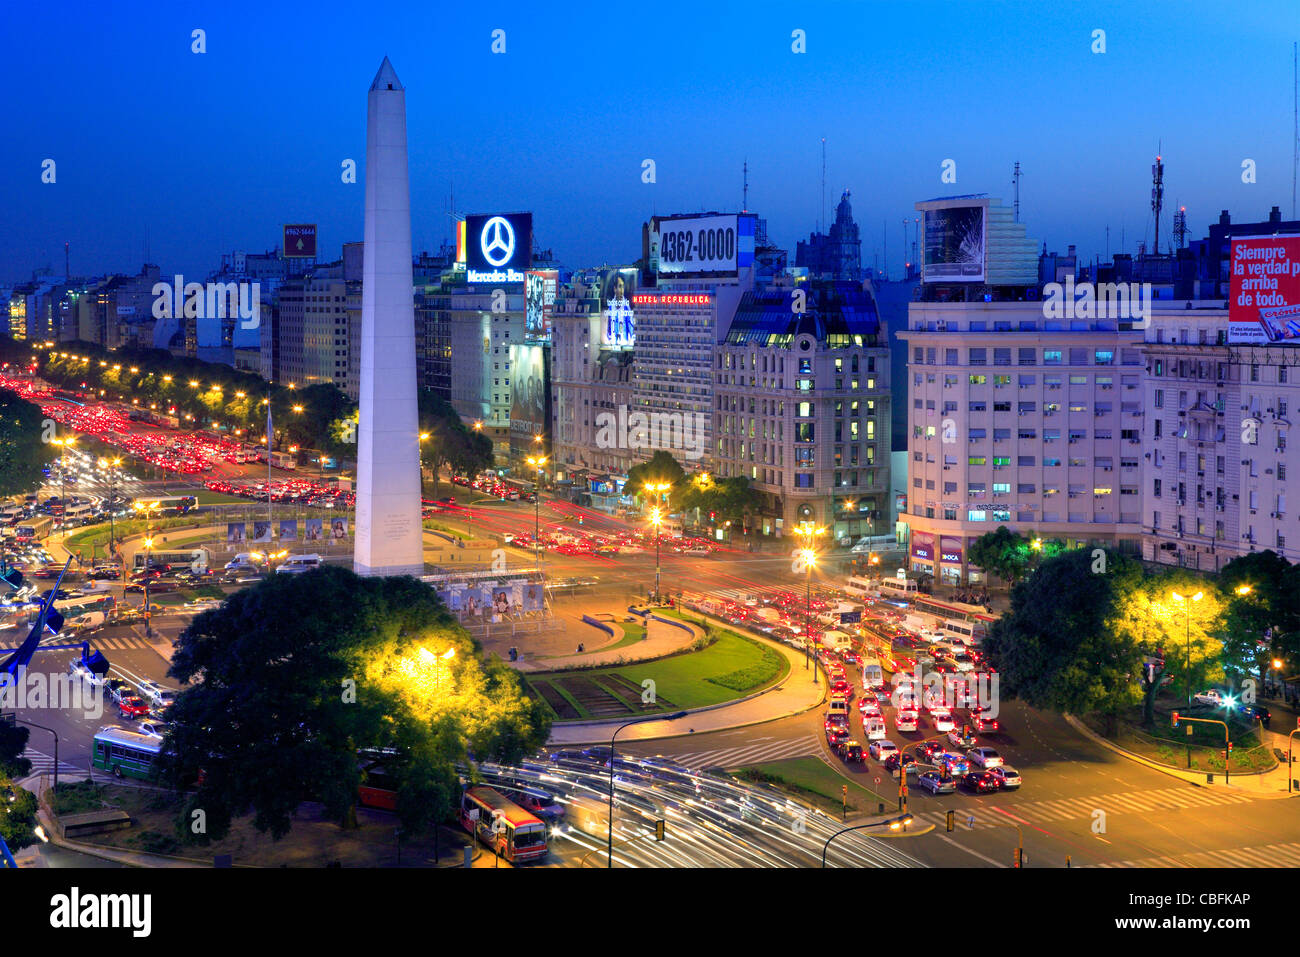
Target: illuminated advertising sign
x,y
923,546
950,550
499,248
530,408
618,328
713,246
460,242
539,300
1264,295
955,239
300,241
672,299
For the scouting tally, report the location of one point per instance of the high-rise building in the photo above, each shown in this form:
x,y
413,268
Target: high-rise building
x,y
314,331
802,406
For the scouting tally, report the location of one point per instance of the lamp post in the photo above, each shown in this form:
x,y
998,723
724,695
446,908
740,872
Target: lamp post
x,y
1187,608
56,745
657,516
147,508
536,462
64,445
808,556
893,823
609,841
112,468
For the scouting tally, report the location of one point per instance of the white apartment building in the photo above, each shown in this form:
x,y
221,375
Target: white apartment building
x,y
1019,420
1217,444
480,343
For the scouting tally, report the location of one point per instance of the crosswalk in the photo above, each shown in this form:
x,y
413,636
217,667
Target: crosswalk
x,y
751,754
99,643
42,763
1083,808
1267,855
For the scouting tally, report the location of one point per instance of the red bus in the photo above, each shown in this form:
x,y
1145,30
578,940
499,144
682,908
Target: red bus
x,y
378,788
502,825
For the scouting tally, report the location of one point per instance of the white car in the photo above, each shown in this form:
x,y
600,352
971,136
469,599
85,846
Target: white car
x,y
942,719
905,721
1008,778
1213,697
881,749
985,757
150,727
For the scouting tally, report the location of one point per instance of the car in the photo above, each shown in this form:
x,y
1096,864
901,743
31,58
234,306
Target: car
x,y
78,669
839,719
1008,778
935,782
842,688
941,718
869,707
882,748
985,757
116,688
151,726
131,706
1256,712
852,657
958,738
898,759
836,735
929,749
1212,697
850,750
982,720
980,782
951,763
905,721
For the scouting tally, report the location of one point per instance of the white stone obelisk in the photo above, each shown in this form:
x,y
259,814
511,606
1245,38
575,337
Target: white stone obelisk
x,y
389,539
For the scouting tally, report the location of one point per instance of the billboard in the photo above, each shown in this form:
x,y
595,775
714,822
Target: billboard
x,y
955,238
498,247
618,328
313,530
530,409
539,300
1264,291
713,246
300,241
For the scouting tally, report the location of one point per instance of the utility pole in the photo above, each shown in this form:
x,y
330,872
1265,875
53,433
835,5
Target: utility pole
x,y
1015,178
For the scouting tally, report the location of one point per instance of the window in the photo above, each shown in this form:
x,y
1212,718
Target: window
x,y
1052,357
977,460
978,380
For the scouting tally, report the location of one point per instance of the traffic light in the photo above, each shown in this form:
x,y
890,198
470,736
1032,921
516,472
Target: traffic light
x,y
1020,855
951,822
1175,719
660,828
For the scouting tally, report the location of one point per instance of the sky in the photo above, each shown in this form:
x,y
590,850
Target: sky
x,y
184,156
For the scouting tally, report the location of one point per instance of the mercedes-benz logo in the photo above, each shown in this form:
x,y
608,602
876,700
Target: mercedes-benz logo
x,y
497,241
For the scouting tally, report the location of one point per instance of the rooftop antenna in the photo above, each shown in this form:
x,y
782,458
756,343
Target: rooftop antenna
x,y
1015,178
823,222
1157,195
905,262
1180,225
744,203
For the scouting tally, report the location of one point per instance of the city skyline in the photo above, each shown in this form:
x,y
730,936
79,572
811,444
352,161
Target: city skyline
x,y
180,199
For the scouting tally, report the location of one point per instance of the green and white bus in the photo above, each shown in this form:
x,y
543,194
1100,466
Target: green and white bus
x,y
126,753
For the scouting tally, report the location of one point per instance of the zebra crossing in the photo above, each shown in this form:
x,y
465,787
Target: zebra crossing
x,y
100,643
1268,855
42,763
1082,808
755,753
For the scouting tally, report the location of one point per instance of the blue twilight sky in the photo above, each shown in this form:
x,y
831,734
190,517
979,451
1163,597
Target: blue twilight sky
x,y
192,155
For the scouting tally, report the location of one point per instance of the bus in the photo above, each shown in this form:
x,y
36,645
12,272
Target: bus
x,y
860,587
33,529
126,753
284,460
951,610
76,511
502,825
378,787
180,504
196,560
967,632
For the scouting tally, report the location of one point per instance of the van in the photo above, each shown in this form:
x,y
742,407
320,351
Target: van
x,y
874,728
244,560
838,706
873,676
860,587
837,641
297,564
90,619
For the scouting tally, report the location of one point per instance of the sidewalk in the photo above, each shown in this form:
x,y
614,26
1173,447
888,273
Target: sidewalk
x,y
1268,784
794,695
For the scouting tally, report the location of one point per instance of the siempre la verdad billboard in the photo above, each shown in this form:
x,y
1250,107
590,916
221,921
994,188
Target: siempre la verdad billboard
x,y
1264,290
955,242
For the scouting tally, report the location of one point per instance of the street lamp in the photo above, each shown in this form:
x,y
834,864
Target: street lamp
x,y
609,841
112,498
64,444
536,462
808,555
1187,608
657,517
893,823
436,661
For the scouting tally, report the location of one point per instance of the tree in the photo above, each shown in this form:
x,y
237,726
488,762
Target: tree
x,y
1262,619
661,467
23,449
1001,552
13,742
286,700
17,805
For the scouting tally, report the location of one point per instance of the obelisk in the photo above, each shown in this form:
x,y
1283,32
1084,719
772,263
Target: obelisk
x,y
389,538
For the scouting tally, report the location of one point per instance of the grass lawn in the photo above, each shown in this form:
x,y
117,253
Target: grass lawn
x,y
813,780
632,633
730,668
208,497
